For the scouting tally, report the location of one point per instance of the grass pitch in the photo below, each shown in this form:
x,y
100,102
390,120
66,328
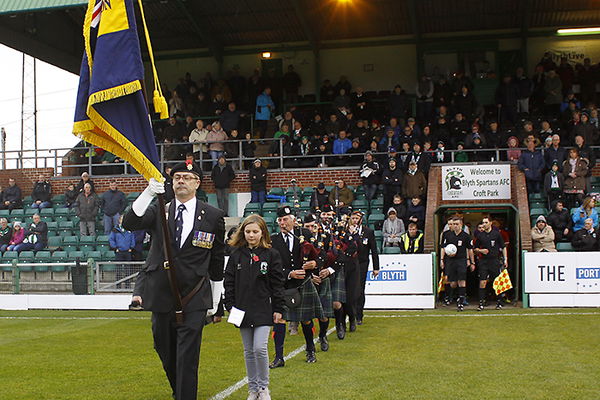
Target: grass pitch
x,y
510,354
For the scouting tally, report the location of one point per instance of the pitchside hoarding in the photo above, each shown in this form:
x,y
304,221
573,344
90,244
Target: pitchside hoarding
x,y
401,274
565,272
476,182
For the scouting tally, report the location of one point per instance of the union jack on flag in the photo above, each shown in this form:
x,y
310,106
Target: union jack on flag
x,y
100,6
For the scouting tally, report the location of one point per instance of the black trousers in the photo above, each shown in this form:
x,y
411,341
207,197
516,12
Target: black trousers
x,y
351,270
363,270
179,350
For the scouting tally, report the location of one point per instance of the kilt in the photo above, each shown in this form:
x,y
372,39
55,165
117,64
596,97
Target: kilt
x,y
338,286
324,290
310,305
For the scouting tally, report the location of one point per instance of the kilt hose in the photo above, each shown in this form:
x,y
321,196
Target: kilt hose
x,y
310,305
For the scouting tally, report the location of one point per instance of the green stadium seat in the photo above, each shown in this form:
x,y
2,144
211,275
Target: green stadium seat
x,y
58,199
71,240
391,250
102,247
52,225
538,211
17,213
109,255
276,191
54,242
8,256
74,254
59,256
270,206
307,192
75,221
47,212
4,213
132,196
26,256
564,246
96,255
30,211
536,196
62,211
43,256
102,239
87,240
86,248
376,220
360,204
377,203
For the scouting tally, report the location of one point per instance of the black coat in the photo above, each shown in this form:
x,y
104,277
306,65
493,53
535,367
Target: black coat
x,y
548,183
317,200
559,221
248,288
41,231
368,245
585,241
13,194
192,262
293,260
398,104
41,191
222,177
392,181
258,179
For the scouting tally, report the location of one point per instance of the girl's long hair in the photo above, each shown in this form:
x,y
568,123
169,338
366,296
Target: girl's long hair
x,y
238,239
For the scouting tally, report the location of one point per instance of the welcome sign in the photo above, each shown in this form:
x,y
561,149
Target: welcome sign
x,y
476,182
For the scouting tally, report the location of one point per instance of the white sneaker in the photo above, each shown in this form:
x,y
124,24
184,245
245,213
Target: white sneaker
x,y
252,395
263,394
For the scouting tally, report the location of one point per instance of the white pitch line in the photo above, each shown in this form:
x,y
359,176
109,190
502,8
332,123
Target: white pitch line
x,y
243,382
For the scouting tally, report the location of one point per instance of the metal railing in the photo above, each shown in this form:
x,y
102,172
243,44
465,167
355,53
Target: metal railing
x,y
116,276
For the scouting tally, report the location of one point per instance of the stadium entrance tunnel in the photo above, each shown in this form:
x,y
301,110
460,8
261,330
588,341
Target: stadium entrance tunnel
x,y
505,218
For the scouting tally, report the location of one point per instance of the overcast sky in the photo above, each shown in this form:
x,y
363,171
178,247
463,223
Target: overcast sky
x,y
56,92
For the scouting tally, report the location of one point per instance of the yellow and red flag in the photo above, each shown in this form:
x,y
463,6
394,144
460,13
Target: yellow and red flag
x,y
502,282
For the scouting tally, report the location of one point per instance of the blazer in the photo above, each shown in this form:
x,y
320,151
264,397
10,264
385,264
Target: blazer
x,y
191,262
369,244
293,260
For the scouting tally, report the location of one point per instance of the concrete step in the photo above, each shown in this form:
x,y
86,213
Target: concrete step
x,y
231,222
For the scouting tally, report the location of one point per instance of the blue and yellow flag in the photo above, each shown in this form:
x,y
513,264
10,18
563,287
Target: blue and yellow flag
x,y
111,110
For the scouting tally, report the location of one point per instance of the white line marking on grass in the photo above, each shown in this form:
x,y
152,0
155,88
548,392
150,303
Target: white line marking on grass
x,y
498,314
243,382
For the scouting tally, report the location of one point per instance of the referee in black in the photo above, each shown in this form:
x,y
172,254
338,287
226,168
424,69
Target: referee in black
x,y
455,267
489,245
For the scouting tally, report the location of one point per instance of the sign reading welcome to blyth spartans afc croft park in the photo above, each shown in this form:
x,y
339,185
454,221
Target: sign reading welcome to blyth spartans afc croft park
x,y
476,182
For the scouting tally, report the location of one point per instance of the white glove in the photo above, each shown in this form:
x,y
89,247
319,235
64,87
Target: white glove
x,y
216,288
140,205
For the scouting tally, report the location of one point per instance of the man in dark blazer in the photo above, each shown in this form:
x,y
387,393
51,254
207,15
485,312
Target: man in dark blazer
x,y
197,233
368,245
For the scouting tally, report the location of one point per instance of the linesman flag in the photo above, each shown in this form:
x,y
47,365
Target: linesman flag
x,y
111,110
502,282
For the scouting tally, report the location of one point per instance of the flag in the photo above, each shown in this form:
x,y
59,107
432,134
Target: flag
x,y
502,282
111,110
441,284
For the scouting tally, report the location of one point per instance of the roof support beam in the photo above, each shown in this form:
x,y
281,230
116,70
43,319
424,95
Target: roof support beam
x,y
207,39
525,8
414,23
308,31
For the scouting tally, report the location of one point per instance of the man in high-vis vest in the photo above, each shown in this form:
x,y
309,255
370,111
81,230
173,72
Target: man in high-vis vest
x,y
411,241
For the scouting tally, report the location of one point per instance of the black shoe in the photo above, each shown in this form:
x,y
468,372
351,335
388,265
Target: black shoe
x,y
481,306
499,306
324,343
341,331
460,306
359,321
446,301
277,363
310,357
353,325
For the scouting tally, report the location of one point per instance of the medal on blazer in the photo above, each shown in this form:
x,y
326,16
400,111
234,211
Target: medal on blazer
x,y
203,239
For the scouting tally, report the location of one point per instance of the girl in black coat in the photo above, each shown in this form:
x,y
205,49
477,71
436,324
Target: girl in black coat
x,y
254,284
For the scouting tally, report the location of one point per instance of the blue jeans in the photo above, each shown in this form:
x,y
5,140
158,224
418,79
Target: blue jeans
x,y
43,204
214,156
28,246
110,222
258,197
370,191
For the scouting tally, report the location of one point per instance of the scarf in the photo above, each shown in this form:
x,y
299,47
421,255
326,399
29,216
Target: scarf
x,y
573,162
554,177
440,154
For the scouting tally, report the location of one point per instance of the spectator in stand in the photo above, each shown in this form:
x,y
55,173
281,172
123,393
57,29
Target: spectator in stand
x,y
18,235
70,195
561,222
341,103
575,169
248,148
460,155
507,97
587,153
525,89
36,237
86,208
12,197
566,74
357,152
514,153
398,104
288,121
554,183
319,198
291,83
553,93
494,137
123,243
415,212
587,75
85,178
341,196
389,140
555,153
400,207
440,155
41,194
459,127
392,183
232,148
414,183
393,228
176,105
5,233
546,130
537,96
264,108
198,138
411,241
369,174
340,146
215,139
542,236
219,104
114,203
465,103
230,118
419,157
174,131
586,130
586,239
327,91
222,175
424,93
568,100
360,104
258,183
532,164
583,212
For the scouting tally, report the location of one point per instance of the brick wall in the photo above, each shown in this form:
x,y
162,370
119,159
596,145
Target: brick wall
x,y
518,200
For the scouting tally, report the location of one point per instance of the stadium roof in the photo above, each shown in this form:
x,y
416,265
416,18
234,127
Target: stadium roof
x,y
51,29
